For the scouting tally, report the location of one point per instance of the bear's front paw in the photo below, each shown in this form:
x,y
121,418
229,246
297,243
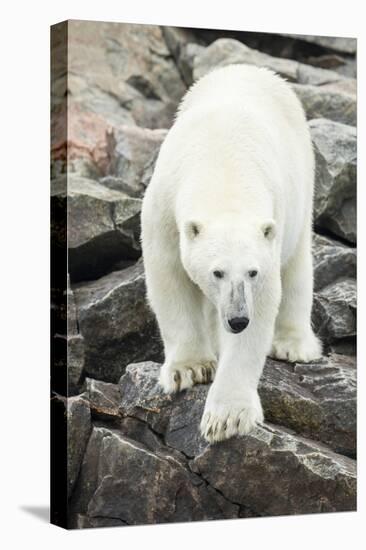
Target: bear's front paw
x,y
177,376
296,347
222,420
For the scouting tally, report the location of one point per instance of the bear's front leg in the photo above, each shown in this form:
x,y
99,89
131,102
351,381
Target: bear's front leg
x,y
184,319
189,355
233,405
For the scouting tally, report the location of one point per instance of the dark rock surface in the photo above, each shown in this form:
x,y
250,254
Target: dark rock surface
x,y
136,455
116,322
78,430
103,225
104,398
75,346
273,471
338,44
315,400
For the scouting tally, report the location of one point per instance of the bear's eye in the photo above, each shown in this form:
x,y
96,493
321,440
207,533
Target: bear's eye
x,y
218,274
253,273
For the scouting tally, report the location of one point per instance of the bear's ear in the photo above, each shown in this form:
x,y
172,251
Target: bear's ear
x,y
192,229
269,229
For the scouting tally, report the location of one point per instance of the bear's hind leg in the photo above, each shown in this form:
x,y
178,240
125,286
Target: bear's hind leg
x,y
179,307
294,339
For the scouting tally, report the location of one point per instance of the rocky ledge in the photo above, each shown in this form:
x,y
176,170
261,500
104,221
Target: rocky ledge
x,y
146,461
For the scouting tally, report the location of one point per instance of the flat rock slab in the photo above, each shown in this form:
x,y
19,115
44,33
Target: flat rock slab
x,y
103,225
317,400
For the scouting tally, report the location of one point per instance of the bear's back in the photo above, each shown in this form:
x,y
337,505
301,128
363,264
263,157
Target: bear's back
x,y
256,90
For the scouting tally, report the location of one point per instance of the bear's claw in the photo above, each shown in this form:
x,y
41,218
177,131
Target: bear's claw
x,y
178,376
228,421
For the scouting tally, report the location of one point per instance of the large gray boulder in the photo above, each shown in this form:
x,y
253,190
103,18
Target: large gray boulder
x,y
142,482
323,93
317,400
328,102
227,51
124,72
133,152
103,225
334,311
335,147
333,261
116,322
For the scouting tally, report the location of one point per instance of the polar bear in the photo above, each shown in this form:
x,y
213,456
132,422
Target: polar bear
x,y
226,239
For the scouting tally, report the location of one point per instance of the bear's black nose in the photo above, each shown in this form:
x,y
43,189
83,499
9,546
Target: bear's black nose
x,y
238,323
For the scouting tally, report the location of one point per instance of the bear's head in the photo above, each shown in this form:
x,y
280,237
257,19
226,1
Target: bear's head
x,y
229,263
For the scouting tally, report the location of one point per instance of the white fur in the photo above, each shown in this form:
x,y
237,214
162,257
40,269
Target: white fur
x,y
232,192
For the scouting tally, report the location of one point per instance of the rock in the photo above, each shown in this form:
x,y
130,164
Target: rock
x,y
336,169
84,522
82,142
78,431
327,61
302,475
123,72
184,46
177,418
75,346
103,226
104,398
320,102
187,56
75,362
166,492
332,261
226,51
346,86
334,311
117,325
316,400
276,473
338,44
135,147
